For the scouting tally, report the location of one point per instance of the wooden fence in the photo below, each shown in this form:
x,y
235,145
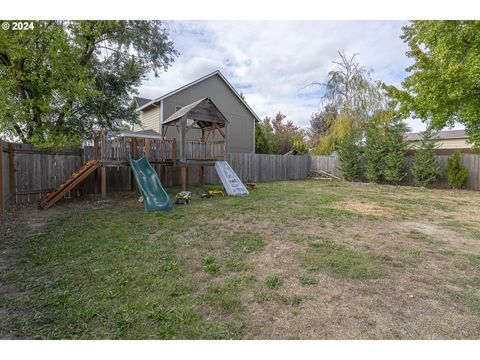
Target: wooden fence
x,y
471,161
28,173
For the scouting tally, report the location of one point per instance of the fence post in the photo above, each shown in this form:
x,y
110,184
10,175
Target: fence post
x,y
2,205
11,172
478,172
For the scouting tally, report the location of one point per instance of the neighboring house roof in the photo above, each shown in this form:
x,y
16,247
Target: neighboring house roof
x,y
188,108
141,101
217,72
448,134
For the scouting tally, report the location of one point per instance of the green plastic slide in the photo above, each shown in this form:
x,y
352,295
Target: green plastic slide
x,y
154,196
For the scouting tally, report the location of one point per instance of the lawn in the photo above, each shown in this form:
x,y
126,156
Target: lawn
x,y
294,260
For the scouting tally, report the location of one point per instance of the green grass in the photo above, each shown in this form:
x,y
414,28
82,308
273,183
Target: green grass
x,y
273,281
210,265
107,270
418,235
471,299
447,252
463,228
340,261
409,250
308,280
246,243
474,260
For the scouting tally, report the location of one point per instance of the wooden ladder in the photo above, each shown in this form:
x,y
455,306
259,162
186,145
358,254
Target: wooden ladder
x,y
75,179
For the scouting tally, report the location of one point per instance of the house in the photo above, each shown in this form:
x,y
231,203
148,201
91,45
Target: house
x,y
241,118
447,142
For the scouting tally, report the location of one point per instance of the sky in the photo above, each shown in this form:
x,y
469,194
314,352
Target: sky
x,y
273,62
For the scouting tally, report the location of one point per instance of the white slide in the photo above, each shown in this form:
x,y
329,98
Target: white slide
x,y
230,180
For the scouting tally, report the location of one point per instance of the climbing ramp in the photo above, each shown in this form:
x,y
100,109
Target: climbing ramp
x,y
230,180
65,186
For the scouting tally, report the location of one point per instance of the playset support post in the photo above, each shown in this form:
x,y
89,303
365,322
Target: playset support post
x,y
104,170
11,172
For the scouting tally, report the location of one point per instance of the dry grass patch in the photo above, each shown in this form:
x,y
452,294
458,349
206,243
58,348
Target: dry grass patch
x,y
364,208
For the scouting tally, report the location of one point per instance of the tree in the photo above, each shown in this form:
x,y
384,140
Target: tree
x,y
276,136
354,95
300,147
63,79
374,152
395,163
265,138
320,123
285,133
349,156
377,139
457,174
444,82
425,167
262,144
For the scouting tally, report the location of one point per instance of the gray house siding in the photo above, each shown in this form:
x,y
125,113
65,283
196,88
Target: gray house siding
x,y
241,120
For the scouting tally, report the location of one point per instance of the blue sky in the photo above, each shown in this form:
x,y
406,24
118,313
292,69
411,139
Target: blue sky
x,y
271,62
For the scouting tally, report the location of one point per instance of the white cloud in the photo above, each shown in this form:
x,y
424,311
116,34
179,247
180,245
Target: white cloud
x,y
272,61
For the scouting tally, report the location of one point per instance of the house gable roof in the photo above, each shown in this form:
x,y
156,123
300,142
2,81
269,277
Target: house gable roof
x,y
217,72
441,135
141,101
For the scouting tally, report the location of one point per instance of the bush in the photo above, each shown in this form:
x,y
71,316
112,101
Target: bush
x,y
349,157
425,167
457,174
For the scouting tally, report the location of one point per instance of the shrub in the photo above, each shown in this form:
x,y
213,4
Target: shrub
x,y
457,174
349,156
425,167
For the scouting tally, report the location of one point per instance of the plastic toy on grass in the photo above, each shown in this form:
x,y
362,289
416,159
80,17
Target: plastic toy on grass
x,y
183,198
212,193
251,184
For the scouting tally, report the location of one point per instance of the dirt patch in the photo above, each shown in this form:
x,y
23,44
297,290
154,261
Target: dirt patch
x,y
363,208
442,235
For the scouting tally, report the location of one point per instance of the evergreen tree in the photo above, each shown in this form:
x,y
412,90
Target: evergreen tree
x,y
262,145
425,167
457,174
395,162
374,153
349,156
